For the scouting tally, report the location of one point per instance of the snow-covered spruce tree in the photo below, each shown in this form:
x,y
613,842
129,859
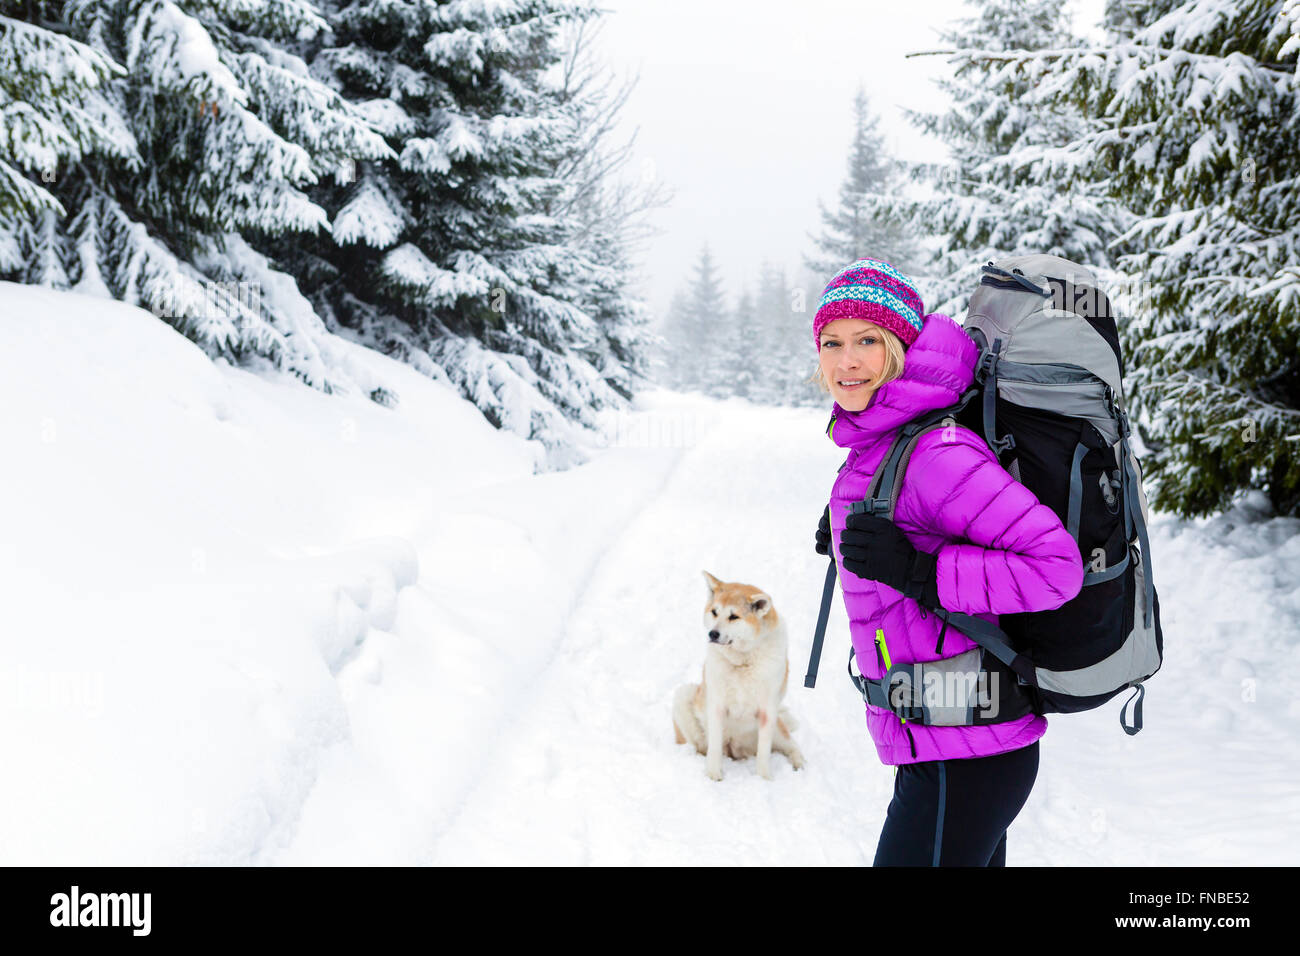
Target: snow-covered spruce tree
x,y
667,370
621,352
693,327
853,231
785,336
760,331
217,129
52,113
606,210
737,351
707,315
467,255
761,350
1008,189
1192,112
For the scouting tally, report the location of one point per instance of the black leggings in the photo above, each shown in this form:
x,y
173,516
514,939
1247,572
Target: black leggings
x,y
956,812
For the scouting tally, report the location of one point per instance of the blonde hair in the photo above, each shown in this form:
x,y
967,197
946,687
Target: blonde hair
x,y
894,350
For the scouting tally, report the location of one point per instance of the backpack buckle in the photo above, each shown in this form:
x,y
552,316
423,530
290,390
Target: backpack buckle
x,y
1122,419
875,506
1117,413
1004,444
901,696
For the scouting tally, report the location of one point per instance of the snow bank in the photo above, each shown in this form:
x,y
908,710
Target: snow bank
x,y
192,556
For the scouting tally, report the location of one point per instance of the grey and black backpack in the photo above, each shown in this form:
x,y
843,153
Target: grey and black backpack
x,y
1049,401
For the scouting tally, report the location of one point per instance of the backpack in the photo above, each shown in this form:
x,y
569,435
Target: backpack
x,y
1048,400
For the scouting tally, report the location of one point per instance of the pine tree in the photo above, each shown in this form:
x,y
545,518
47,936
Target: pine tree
x,y
706,315
435,175
761,333
52,113
208,131
672,328
853,231
607,212
741,351
694,328
469,254
1192,113
761,350
773,309
1009,186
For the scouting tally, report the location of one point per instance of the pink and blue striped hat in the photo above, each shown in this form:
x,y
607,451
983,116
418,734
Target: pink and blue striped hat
x,y
875,291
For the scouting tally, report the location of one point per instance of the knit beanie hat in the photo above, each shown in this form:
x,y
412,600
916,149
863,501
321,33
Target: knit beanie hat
x,y
875,291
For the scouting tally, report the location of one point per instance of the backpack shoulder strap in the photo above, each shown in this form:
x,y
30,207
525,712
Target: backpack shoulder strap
x,y
894,466
888,477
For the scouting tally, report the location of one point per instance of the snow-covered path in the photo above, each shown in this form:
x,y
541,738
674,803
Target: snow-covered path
x,y
590,772
557,745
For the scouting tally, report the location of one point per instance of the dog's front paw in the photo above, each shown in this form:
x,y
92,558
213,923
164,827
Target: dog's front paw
x,y
796,760
765,771
715,773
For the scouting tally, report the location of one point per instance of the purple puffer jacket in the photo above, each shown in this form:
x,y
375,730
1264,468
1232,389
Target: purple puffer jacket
x,y
1000,550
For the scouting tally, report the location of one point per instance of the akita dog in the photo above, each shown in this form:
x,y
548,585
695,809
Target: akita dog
x,y
736,709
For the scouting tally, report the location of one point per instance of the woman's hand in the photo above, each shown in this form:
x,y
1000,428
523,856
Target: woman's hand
x,y
823,545
874,548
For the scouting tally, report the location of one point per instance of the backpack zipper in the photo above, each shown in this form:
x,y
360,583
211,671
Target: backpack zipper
x,y
882,654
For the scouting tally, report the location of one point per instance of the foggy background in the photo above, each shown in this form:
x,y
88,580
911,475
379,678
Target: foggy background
x,y
745,111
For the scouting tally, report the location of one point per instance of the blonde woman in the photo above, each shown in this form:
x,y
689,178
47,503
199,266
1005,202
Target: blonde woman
x,y
966,537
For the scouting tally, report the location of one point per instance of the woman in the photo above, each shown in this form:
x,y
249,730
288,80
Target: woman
x,y
965,537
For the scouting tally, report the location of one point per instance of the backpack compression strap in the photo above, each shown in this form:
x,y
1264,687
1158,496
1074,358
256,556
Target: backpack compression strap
x,y
828,589
1134,727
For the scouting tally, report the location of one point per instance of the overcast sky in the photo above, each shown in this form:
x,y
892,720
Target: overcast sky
x,y
746,110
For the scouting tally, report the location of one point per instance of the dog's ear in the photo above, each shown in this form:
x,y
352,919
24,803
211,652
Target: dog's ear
x,y
760,604
712,582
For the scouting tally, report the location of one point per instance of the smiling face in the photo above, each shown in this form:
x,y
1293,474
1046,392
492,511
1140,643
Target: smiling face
x,y
852,355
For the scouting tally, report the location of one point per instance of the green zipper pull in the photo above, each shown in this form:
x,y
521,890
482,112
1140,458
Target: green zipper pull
x,y
883,650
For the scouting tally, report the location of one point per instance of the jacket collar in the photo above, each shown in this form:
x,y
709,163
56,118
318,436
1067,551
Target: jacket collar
x,y
938,368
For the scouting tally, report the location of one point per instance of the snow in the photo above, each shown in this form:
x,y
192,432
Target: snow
x,y
253,623
460,46
408,265
385,116
423,153
1291,15
458,141
370,217
183,52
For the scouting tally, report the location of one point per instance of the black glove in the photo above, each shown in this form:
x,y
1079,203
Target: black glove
x,y
824,533
874,548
